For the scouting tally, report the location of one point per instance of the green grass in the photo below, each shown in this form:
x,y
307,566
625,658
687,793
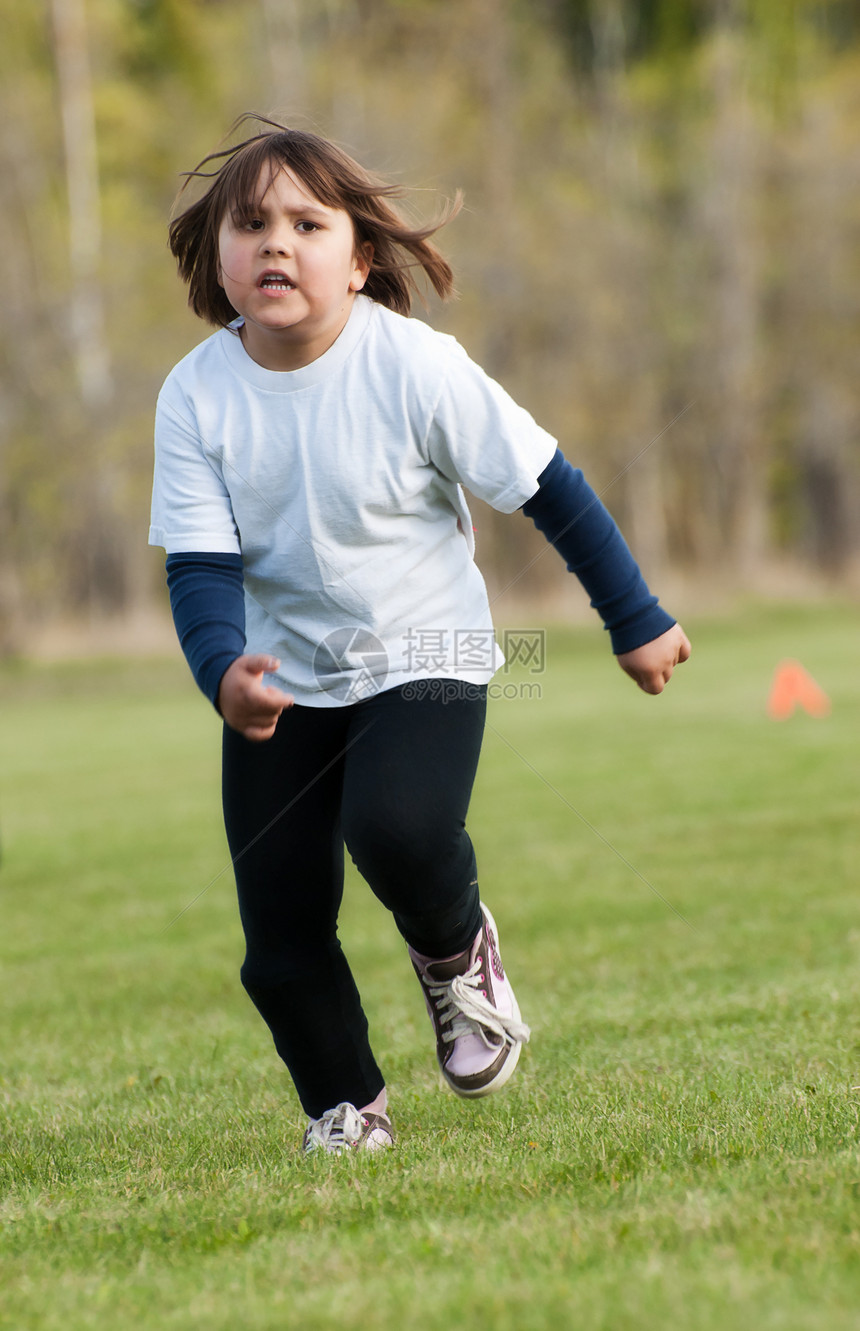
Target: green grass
x,y
675,880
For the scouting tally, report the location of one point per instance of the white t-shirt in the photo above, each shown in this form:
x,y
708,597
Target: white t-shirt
x,y
340,486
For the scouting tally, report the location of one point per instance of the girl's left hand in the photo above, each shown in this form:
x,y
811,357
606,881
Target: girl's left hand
x,y
652,664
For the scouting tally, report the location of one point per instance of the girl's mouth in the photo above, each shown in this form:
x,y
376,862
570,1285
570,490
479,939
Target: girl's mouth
x,y
276,282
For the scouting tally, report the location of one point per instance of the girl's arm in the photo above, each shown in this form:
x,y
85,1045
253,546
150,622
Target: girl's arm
x,y
207,599
208,603
647,641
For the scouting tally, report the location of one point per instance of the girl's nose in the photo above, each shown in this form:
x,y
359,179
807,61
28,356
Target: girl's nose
x,y
278,241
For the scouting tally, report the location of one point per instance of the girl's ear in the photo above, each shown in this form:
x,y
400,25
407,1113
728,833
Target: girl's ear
x,y
362,260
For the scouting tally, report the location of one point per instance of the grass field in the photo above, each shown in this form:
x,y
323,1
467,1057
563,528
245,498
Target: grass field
x,y
675,880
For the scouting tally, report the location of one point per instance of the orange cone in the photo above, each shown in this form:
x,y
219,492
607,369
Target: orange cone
x,y
792,687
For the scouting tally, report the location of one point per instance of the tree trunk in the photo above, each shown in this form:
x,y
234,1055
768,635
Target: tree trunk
x,y
631,271
281,22
730,385
86,313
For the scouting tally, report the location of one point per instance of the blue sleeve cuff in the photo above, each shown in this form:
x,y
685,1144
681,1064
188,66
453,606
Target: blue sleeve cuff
x,y
207,598
572,518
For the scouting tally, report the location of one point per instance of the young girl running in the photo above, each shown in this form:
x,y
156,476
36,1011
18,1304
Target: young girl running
x,y
309,462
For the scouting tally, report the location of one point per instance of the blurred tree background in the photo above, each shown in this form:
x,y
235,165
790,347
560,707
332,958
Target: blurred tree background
x,y
659,257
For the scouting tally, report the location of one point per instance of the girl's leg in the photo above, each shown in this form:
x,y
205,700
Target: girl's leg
x,y
406,792
407,785
282,802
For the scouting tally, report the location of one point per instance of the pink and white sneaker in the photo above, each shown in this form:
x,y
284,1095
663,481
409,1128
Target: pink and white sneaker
x,y
346,1128
475,1015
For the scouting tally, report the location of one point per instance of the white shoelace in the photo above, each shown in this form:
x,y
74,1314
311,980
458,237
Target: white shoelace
x,y
470,1013
337,1128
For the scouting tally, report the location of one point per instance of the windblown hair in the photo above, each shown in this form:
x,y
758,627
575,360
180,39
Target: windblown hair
x,y
395,248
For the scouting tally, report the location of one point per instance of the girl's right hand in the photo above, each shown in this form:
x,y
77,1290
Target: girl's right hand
x,y
246,703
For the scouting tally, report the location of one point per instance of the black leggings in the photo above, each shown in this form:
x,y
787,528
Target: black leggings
x,y
392,777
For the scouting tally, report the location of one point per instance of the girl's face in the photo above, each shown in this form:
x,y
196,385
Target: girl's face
x,y
291,271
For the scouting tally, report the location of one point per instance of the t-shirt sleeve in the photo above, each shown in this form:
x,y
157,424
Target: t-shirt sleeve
x,y
480,438
191,508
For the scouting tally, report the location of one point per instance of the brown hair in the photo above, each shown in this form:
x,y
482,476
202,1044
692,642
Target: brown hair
x,y
334,178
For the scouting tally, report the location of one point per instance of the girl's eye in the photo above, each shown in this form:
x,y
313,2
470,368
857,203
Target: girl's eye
x,y
306,228
255,224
